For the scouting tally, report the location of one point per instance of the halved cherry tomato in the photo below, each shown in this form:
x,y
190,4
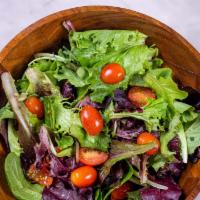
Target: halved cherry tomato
x,y
84,176
139,95
112,73
121,192
40,176
35,106
92,157
58,149
145,138
91,120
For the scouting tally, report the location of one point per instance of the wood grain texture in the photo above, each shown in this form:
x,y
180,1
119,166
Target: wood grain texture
x,y
48,34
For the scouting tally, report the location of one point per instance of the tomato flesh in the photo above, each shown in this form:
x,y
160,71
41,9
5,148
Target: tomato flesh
x,y
145,138
139,95
35,106
121,192
92,157
112,73
91,120
84,176
40,176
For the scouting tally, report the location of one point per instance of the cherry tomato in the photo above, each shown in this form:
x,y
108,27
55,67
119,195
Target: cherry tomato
x,y
40,176
92,157
121,192
35,106
145,138
58,149
139,95
91,120
84,176
112,73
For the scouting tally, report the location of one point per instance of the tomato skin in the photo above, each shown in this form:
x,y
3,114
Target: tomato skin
x,y
139,95
92,157
145,138
121,192
35,106
40,176
84,176
91,120
112,73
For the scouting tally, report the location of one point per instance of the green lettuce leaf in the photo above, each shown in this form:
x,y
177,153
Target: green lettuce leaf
x,y
6,113
57,117
134,195
187,112
160,80
40,83
71,76
88,46
100,142
13,139
193,136
152,114
21,188
135,60
98,194
175,128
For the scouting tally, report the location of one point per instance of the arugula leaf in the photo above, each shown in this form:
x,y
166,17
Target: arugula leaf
x,y
13,139
6,113
152,114
21,188
160,80
193,135
100,142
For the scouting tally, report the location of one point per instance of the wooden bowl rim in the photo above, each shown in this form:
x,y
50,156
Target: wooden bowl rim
x,y
67,12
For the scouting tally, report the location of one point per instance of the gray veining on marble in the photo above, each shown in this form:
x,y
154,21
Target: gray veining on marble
x,y
181,15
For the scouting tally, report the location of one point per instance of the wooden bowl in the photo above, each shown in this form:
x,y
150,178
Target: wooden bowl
x,y
48,34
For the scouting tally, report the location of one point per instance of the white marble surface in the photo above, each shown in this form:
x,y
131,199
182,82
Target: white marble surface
x,y
182,15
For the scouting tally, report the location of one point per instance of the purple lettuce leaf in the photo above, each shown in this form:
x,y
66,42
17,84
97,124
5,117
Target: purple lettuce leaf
x,y
68,26
129,128
174,146
172,193
61,191
88,101
150,194
122,101
172,169
116,173
67,90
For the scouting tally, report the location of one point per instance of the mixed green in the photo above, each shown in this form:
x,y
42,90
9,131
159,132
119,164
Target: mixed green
x,y
104,107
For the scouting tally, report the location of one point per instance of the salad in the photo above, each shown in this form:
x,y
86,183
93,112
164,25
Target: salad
x,y
100,119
